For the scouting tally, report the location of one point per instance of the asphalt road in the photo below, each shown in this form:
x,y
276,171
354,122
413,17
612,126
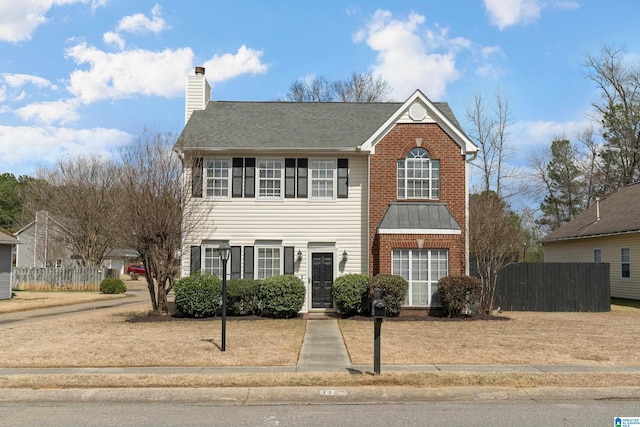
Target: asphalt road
x,y
477,414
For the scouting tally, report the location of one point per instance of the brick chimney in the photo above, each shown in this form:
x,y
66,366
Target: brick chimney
x,y
198,93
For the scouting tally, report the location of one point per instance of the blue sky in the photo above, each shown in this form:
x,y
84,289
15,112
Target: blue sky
x,y
87,76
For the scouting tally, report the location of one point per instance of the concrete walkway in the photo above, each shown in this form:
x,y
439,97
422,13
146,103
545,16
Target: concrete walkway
x,y
323,348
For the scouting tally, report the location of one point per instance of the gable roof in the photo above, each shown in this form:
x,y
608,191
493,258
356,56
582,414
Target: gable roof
x,y
618,215
277,125
6,238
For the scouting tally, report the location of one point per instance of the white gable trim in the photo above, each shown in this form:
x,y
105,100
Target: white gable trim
x,y
433,116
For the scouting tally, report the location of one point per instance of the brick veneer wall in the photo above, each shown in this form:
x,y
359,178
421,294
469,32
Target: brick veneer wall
x,y
383,189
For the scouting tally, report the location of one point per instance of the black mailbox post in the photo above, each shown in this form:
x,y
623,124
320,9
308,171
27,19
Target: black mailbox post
x,y
378,309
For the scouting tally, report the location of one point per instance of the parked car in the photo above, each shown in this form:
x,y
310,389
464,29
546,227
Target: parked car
x,y
136,269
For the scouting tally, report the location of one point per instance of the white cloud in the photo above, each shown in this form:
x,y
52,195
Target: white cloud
x,y
505,13
530,134
49,112
3,93
410,57
227,66
140,24
128,73
18,80
19,19
113,38
20,144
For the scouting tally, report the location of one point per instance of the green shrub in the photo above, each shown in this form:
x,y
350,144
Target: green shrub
x,y
242,297
113,286
198,296
393,290
350,293
460,294
281,296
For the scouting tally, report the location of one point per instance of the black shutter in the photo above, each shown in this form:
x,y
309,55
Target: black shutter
x,y
250,177
194,266
343,178
302,177
289,178
248,262
236,252
236,177
196,177
289,260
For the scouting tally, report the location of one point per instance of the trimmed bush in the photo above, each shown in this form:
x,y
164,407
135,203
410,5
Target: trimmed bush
x,y
460,294
281,296
350,293
113,286
198,296
242,297
393,290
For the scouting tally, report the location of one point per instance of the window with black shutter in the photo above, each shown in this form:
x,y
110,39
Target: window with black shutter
x,y
196,177
194,262
236,177
250,177
343,178
289,178
248,262
303,165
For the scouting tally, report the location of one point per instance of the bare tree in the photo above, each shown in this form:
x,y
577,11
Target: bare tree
x,y
152,212
80,193
360,87
495,240
618,110
489,129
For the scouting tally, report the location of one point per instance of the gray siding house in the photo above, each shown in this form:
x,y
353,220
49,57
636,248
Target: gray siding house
x,y
7,241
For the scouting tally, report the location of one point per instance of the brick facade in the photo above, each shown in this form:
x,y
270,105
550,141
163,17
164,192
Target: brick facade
x,y
383,182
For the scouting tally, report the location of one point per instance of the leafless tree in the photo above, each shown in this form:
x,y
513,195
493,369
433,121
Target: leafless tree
x,y
360,87
489,129
151,210
80,193
495,240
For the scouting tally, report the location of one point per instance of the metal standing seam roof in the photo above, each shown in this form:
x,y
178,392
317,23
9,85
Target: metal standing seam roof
x,y
418,216
618,215
287,125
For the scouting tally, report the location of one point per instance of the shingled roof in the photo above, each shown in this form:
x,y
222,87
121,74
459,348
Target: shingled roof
x,y
288,125
618,215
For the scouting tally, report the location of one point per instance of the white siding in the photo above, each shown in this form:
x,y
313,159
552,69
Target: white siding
x,y
197,96
307,224
582,251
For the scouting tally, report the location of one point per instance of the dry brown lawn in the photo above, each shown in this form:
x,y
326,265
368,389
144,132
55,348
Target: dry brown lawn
x,y
29,300
526,338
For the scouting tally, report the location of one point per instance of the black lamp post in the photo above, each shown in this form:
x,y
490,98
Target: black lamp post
x,y
224,250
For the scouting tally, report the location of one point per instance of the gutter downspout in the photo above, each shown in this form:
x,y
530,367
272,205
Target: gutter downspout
x,y
466,210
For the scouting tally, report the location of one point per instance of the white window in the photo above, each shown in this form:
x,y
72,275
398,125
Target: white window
x,y
625,263
422,268
597,255
322,178
212,263
217,177
270,178
418,176
268,262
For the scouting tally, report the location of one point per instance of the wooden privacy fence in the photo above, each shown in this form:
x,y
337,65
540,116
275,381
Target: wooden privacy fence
x,y
76,279
554,287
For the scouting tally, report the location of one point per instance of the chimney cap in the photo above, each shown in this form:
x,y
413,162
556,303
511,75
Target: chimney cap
x,y
199,71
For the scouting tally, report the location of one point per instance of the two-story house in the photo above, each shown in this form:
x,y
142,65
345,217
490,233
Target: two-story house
x,y
324,189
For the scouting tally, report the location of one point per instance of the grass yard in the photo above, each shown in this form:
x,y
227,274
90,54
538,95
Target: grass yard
x,y
30,300
526,338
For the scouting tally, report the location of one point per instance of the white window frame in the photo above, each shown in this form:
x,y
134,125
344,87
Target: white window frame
x,y
403,263
220,178
418,161
210,260
322,171
597,255
264,166
625,259
261,253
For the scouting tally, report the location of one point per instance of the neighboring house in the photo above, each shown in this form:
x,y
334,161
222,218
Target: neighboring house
x,y
118,259
41,244
321,190
608,231
7,242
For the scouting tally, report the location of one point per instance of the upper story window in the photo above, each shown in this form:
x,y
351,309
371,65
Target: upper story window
x,y
217,177
418,176
270,178
625,263
322,178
